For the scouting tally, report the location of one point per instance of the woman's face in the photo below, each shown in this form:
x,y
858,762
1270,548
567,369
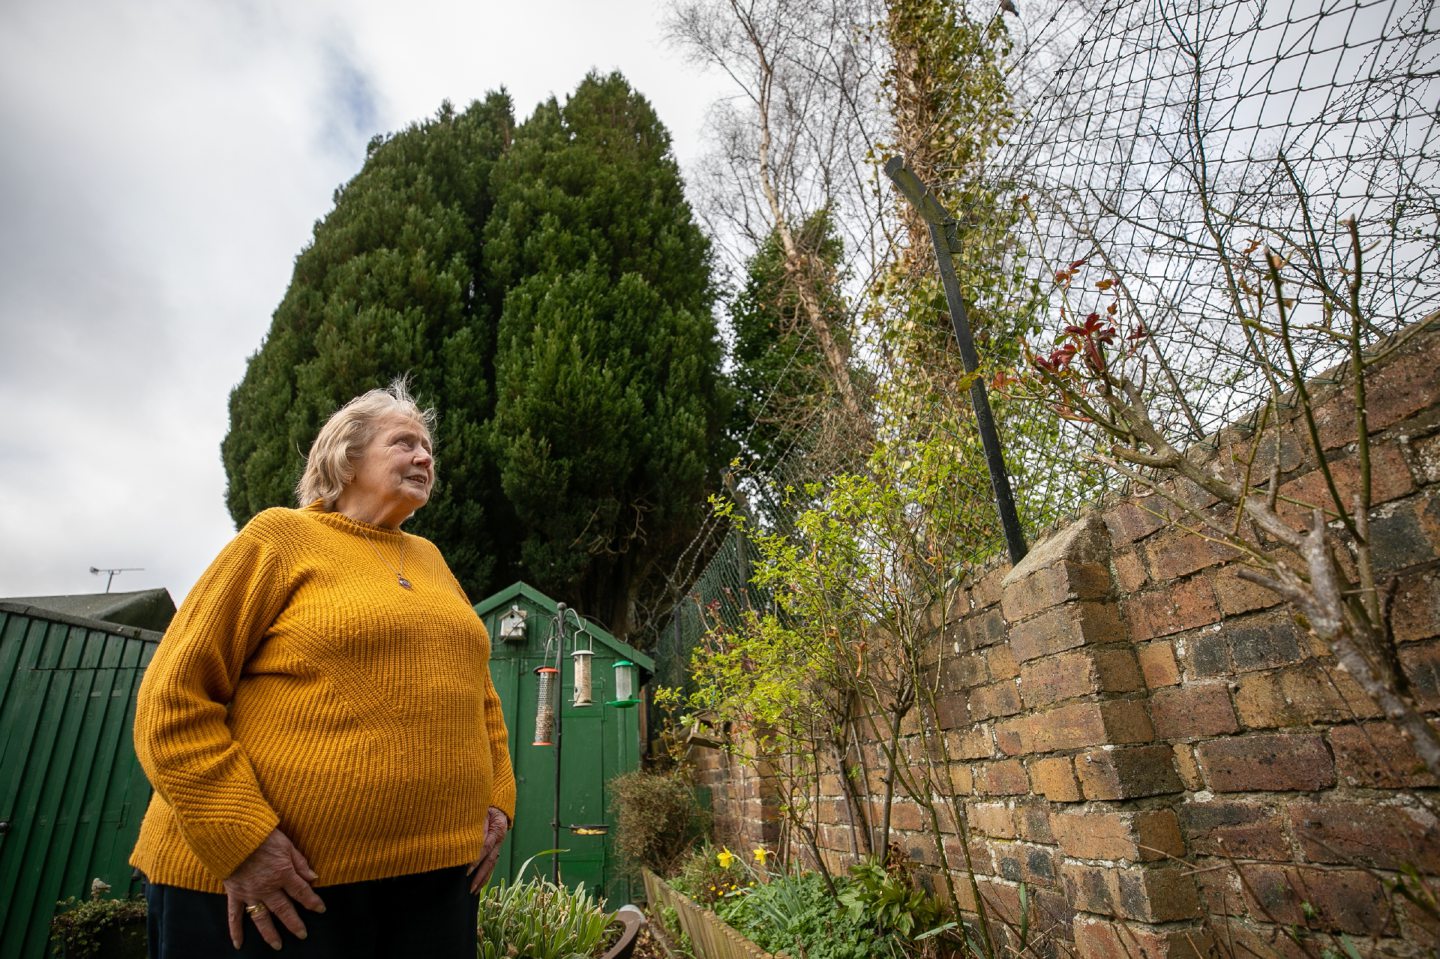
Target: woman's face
x,y
394,474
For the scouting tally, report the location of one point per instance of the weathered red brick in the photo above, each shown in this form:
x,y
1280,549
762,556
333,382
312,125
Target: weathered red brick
x,y
1267,762
1301,695
1384,837
1150,892
1403,384
1005,777
1135,518
1378,755
1416,613
1240,830
992,819
1001,662
1177,552
971,742
1059,582
1389,478
1204,654
1109,834
1065,627
1099,939
1130,574
1071,564
1071,726
1425,458
1421,662
1237,595
1127,772
952,710
1187,768
1159,893
906,815
1339,900
1091,888
993,700
1172,608
1201,711
1032,820
1067,675
985,628
1158,665
1055,779
987,590
964,672
1263,642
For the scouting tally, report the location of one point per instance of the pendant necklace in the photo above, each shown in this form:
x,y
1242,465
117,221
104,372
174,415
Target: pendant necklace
x,y
399,573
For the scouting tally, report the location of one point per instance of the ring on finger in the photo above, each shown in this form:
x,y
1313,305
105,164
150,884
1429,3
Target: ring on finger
x,y
256,910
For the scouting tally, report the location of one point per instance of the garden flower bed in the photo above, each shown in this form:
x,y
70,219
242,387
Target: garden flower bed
x,y
710,936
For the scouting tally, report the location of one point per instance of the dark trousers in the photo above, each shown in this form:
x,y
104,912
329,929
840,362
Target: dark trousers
x,y
430,914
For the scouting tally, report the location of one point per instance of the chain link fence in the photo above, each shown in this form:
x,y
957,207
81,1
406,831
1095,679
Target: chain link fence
x,y
1166,145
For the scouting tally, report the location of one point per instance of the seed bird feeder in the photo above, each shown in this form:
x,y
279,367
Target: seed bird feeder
x,y
625,675
583,693
545,702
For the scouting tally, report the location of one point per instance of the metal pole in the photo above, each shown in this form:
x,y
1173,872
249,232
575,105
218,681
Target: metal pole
x,y
942,235
559,740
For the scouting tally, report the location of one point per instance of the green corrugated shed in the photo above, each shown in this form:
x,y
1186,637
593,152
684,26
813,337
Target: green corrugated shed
x,y
599,742
71,790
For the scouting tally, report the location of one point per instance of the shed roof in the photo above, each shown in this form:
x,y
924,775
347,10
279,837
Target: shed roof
x,y
518,590
150,609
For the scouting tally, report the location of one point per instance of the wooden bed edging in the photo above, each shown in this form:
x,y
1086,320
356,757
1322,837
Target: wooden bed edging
x,y
710,936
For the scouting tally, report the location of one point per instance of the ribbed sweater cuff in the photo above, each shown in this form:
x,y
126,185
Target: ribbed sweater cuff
x,y
222,846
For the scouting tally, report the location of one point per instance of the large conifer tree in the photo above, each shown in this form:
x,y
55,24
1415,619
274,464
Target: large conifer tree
x,y
608,418
548,291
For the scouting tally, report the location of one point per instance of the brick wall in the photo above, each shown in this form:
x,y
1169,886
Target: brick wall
x,y
1146,739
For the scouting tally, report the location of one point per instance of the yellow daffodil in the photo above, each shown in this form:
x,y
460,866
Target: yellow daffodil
x,y
761,854
725,857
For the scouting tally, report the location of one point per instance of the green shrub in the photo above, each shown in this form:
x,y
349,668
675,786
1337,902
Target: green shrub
x,y
657,819
796,914
888,899
539,920
81,927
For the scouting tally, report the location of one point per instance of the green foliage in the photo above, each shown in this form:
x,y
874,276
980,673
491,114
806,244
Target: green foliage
x,y
710,874
609,406
670,919
80,927
888,900
780,374
548,290
796,914
539,920
657,818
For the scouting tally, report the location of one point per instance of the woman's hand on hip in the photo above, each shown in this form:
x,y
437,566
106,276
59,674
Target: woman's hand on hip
x,y
266,886
497,824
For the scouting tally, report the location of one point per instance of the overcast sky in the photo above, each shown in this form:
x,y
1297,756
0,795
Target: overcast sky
x,y
161,164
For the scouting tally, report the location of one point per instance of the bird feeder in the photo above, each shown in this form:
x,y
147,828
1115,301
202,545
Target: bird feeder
x,y
545,701
625,676
583,696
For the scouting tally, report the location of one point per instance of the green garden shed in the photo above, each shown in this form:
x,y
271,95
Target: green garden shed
x,y
597,742
71,790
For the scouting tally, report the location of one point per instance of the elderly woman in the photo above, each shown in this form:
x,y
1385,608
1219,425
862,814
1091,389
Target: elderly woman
x,y
328,754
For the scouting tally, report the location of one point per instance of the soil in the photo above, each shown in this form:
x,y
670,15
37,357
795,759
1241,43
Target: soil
x,y
649,946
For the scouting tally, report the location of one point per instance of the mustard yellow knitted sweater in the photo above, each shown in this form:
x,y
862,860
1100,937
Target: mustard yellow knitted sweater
x,y
301,686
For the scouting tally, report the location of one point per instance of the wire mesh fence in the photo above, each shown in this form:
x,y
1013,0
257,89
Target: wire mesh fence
x,y
1166,147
